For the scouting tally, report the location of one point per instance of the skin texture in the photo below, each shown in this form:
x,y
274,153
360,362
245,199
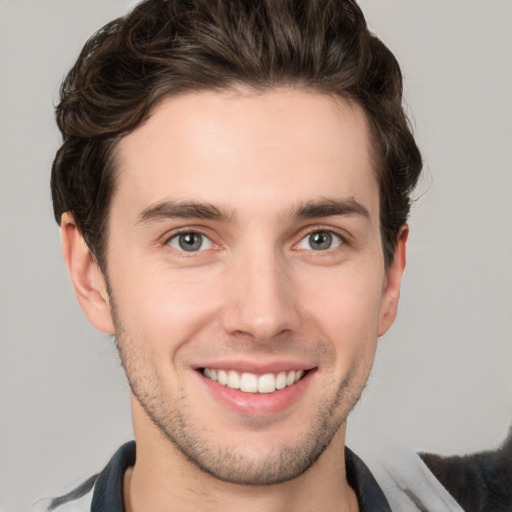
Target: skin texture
x,y
242,169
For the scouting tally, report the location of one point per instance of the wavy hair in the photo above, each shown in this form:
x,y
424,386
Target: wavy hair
x,y
164,47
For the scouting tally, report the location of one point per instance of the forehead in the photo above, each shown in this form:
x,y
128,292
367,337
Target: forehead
x,y
248,152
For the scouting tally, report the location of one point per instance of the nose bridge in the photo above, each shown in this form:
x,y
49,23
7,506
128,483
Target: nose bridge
x,y
262,303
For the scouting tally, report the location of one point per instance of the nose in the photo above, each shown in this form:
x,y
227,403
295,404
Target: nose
x,y
261,302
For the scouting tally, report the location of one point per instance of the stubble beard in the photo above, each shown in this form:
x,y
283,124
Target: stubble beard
x,y
234,464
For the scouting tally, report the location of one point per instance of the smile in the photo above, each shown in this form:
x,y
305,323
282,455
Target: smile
x,y
252,383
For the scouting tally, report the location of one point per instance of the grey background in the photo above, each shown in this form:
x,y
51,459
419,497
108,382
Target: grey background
x,y
442,379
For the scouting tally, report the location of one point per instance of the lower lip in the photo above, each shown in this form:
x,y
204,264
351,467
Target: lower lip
x,y
258,404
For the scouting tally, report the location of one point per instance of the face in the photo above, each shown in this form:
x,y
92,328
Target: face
x,y
246,273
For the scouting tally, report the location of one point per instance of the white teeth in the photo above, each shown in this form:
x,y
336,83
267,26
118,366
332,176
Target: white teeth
x,y
252,383
233,380
249,383
267,383
281,380
222,377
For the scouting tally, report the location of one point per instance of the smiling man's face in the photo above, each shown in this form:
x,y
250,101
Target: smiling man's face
x,y
244,252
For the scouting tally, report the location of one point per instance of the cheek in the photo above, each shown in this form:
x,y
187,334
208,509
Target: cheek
x,y
162,311
345,306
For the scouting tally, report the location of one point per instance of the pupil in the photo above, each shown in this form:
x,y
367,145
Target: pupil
x,y
190,241
320,241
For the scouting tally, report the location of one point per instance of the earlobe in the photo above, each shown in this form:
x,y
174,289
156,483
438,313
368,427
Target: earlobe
x,y
391,295
87,278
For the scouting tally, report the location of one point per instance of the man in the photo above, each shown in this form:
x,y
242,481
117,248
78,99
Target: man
x,y
233,189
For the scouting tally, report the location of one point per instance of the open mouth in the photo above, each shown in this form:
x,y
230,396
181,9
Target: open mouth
x,y
252,383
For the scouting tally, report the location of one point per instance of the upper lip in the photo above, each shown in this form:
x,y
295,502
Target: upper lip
x,y
258,368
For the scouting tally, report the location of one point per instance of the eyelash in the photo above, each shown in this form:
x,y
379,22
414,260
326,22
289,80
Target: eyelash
x,y
342,240
177,235
333,237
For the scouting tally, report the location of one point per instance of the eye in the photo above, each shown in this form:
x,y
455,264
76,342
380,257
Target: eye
x,y
320,241
190,242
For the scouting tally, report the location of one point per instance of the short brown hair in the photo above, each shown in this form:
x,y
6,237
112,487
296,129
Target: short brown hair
x,y
164,47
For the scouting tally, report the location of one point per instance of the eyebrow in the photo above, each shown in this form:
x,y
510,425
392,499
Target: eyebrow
x,y
330,208
178,209
199,210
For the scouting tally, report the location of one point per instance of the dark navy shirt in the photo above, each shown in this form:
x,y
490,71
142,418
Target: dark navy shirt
x,y
108,485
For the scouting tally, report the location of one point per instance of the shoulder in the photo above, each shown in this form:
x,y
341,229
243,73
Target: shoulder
x,y
100,492
77,500
406,481
480,481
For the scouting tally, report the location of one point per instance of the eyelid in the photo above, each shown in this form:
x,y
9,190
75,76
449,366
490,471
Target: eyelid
x,y
206,243
337,232
337,241
174,233
304,232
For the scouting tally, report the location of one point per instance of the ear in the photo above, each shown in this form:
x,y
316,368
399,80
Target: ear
x,y
87,278
391,294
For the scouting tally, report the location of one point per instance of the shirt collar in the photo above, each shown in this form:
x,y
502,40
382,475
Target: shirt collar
x,y
108,491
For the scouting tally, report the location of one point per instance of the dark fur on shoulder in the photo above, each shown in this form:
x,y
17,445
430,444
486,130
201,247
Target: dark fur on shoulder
x,y
480,482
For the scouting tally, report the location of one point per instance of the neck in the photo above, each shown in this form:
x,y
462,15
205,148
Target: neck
x,y
163,480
